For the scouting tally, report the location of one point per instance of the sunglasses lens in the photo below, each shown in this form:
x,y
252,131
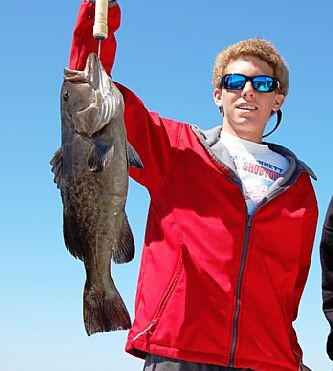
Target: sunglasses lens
x,y
260,83
264,83
233,82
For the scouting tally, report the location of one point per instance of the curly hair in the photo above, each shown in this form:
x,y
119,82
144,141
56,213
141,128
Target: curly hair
x,y
257,47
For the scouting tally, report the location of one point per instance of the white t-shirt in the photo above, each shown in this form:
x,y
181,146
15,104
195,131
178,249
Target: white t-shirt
x,y
257,166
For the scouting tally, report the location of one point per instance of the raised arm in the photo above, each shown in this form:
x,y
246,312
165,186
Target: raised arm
x,y
154,138
83,41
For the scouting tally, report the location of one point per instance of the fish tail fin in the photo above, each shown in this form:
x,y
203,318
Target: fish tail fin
x,y
104,310
124,251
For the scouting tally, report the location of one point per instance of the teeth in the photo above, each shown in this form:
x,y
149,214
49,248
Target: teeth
x,y
251,108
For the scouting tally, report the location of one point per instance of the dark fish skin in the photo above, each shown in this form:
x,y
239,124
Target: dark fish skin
x,y
91,171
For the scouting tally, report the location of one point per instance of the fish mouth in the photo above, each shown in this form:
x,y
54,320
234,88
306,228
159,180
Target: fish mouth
x,y
102,100
92,74
94,70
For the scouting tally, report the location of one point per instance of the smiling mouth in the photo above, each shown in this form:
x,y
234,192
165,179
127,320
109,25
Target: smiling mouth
x,y
247,108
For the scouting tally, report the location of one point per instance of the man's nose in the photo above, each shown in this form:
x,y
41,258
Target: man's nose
x,y
248,88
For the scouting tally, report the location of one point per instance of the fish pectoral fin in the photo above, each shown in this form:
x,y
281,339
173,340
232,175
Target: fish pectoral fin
x,y
132,157
56,163
100,157
124,251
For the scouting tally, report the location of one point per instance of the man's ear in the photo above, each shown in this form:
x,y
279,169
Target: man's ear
x,y
217,95
279,99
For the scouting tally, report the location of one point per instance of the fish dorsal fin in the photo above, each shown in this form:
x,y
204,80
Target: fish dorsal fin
x,y
124,251
56,163
132,157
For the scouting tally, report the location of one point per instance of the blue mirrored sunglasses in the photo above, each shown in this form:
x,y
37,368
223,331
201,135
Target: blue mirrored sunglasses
x,y
237,81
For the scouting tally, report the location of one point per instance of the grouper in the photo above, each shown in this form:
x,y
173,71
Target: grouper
x,y
91,171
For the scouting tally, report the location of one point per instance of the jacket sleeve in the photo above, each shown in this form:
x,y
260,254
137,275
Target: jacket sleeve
x,y
326,257
155,139
83,41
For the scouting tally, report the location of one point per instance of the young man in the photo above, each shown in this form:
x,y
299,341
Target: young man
x,y
326,255
231,221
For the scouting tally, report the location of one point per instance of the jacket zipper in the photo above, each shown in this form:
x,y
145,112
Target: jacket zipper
x,y
240,276
238,292
147,329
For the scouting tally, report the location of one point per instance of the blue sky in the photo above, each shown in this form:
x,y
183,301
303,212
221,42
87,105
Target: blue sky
x,y
165,54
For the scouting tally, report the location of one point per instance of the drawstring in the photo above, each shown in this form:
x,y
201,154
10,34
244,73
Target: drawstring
x,y
279,117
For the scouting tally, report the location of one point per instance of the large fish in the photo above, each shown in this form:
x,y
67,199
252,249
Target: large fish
x,y
91,170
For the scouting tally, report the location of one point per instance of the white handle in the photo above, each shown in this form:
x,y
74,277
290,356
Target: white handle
x,y
100,28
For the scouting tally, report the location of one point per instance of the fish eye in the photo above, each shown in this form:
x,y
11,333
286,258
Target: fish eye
x,y
66,95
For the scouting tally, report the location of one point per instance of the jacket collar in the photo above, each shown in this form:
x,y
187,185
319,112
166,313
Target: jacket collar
x,y
211,140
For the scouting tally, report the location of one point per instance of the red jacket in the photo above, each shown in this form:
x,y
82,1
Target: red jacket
x,y
215,286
